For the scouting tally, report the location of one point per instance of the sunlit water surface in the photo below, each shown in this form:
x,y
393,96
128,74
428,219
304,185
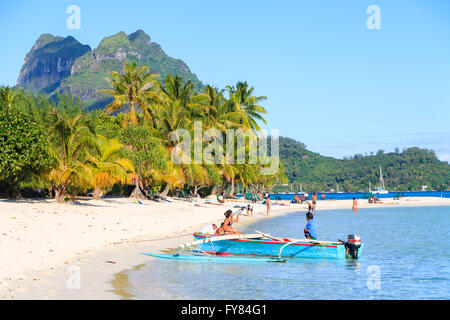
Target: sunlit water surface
x,y
406,256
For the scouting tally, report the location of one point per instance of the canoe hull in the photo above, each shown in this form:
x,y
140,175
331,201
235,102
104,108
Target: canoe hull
x,y
212,258
268,247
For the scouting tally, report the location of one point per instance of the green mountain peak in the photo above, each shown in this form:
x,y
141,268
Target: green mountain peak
x,y
85,71
139,35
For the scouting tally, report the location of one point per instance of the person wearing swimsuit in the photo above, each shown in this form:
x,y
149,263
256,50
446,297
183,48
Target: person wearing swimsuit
x,y
314,200
227,224
355,206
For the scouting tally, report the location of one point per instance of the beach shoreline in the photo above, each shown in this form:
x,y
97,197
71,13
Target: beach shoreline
x,y
45,243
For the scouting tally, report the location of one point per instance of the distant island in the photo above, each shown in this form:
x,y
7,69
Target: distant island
x,y
403,170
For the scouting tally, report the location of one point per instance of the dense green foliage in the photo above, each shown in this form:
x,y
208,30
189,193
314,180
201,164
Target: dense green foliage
x,y
23,152
131,141
403,171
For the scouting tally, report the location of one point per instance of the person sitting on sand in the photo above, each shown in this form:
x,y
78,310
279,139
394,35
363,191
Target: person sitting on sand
x,y
297,200
376,200
371,199
209,229
229,221
310,229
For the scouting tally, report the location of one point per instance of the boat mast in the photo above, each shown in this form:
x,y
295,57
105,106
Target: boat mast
x,y
381,179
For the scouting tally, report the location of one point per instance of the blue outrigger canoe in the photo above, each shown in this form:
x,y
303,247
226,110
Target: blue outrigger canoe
x,y
264,245
279,247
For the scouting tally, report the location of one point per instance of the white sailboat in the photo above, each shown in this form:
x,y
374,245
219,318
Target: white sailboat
x,y
382,188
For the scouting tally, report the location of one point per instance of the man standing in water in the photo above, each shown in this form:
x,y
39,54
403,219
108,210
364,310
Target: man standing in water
x,y
314,200
354,206
310,229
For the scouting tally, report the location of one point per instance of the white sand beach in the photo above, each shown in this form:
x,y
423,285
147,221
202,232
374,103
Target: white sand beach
x,y
42,242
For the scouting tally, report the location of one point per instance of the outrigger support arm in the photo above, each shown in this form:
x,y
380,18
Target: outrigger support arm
x,y
183,246
267,235
294,241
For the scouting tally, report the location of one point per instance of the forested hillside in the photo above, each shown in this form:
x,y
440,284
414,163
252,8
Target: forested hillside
x,y
405,170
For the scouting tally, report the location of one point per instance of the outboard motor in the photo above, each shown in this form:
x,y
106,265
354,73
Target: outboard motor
x,y
352,246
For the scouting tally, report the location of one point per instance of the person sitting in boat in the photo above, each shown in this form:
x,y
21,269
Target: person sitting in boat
x,y
227,224
220,231
310,229
209,229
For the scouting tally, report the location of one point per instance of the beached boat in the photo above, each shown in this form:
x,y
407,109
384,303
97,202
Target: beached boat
x,y
262,245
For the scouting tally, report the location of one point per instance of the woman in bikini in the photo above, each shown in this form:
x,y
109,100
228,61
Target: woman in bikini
x,y
229,221
220,230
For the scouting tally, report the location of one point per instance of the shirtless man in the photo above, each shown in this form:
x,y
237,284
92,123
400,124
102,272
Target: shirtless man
x,y
314,200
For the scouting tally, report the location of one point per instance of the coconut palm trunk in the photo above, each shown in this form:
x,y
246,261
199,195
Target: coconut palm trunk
x,y
60,194
232,187
98,192
137,193
166,189
16,191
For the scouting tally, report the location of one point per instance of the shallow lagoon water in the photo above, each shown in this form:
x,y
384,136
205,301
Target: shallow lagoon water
x,y
406,256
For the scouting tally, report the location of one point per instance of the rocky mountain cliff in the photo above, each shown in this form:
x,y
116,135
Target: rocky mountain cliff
x,y
57,64
50,61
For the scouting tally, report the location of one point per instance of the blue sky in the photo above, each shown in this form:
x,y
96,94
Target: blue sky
x,y
330,81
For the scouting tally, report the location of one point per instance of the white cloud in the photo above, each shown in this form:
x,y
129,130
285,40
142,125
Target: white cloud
x,y
445,157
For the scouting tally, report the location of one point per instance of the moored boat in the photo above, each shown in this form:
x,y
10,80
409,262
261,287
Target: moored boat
x,y
263,245
282,247
382,188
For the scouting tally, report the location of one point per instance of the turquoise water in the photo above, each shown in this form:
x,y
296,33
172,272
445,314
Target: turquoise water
x,y
406,256
364,195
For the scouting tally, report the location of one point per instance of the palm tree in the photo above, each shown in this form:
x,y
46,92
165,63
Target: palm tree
x,y
10,96
110,166
178,109
241,100
135,88
72,142
218,113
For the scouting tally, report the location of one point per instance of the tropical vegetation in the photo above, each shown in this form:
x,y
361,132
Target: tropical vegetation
x,y
403,170
56,147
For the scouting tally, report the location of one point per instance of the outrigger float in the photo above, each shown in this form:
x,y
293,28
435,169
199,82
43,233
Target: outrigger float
x,y
262,247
